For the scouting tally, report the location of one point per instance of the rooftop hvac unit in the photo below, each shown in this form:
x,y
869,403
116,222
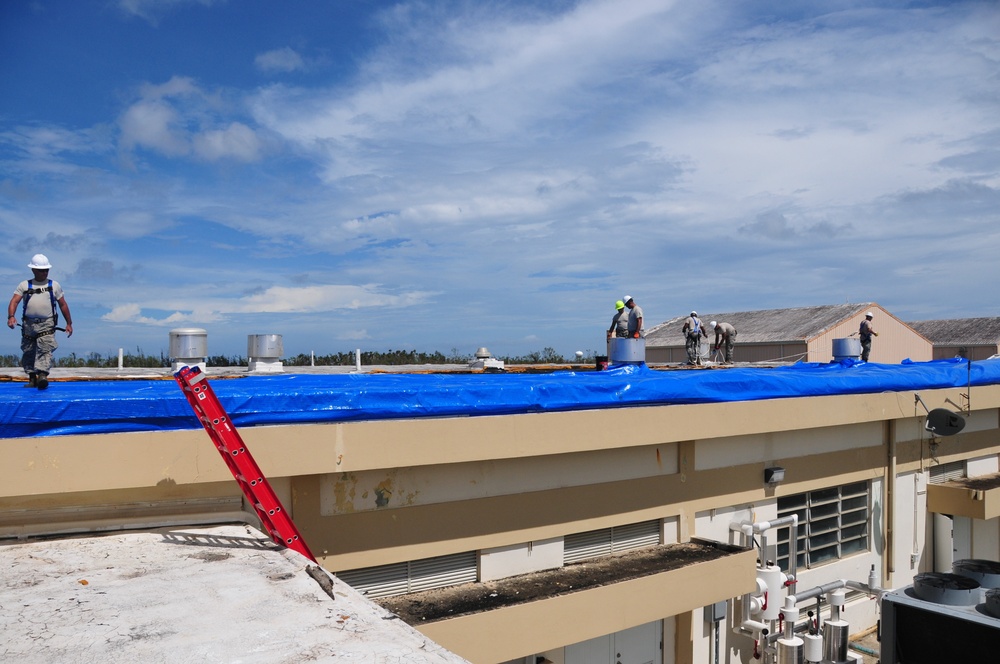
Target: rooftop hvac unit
x,y
944,617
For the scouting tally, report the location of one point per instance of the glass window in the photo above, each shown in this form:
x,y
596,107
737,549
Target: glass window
x,y
833,523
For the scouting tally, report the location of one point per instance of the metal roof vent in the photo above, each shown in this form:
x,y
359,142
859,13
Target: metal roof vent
x,y
188,348
264,353
484,361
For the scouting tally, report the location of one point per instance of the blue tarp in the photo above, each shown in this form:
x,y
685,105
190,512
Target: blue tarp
x,y
88,407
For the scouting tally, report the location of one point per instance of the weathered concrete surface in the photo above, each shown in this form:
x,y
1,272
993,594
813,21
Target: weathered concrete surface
x,y
219,594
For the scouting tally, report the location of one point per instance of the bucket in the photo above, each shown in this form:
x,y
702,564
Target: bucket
x,y
602,363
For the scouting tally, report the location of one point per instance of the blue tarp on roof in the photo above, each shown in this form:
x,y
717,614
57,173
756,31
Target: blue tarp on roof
x,y
155,405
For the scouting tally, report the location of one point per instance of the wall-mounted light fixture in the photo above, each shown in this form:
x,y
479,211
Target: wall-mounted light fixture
x,y
774,475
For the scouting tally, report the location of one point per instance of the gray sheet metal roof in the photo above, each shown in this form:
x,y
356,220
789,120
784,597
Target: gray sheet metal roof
x,y
960,331
765,326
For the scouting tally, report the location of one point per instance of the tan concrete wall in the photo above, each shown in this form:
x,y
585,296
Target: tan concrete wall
x,y
943,352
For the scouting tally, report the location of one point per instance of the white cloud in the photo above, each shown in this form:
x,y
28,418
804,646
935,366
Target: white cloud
x,y
178,118
133,224
309,299
237,141
279,60
154,125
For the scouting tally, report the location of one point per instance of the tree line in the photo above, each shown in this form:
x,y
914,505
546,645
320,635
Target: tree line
x,y
140,359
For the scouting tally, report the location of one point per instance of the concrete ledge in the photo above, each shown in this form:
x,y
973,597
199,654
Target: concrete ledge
x,y
975,497
688,577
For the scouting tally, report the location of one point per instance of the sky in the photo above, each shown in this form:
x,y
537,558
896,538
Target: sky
x,y
438,175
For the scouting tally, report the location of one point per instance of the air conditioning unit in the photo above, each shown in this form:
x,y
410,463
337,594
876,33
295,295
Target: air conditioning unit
x,y
944,617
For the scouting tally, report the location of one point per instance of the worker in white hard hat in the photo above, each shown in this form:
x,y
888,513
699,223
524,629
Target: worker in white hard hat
x,y
725,337
693,332
636,329
41,300
619,322
865,334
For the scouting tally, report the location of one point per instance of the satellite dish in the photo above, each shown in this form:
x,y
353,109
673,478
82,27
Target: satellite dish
x,y
943,422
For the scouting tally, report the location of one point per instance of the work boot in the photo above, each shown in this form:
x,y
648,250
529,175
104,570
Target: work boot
x,y
31,381
42,381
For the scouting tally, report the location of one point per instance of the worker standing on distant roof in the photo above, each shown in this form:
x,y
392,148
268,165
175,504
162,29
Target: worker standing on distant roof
x,y
724,334
693,331
619,322
39,297
635,328
865,334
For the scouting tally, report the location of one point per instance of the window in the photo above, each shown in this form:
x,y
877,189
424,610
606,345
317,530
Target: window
x,y
947,472
833,524
604,542
412,576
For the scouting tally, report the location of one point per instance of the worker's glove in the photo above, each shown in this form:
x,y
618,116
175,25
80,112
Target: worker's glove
x,y
635,336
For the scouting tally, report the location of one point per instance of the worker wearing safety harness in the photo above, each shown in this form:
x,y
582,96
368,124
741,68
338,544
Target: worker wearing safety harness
x,y
39,299
693,332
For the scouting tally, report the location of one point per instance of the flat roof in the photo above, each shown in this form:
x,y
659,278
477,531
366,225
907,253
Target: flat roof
x,y
100,406
219,594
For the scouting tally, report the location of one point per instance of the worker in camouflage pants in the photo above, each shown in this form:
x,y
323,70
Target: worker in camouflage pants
x,y
41,299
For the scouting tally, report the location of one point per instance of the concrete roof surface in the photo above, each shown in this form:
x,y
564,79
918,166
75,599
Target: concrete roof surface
x,y
960,331
766,325
216,594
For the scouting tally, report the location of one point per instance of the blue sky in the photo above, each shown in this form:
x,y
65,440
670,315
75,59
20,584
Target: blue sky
x,y
450,175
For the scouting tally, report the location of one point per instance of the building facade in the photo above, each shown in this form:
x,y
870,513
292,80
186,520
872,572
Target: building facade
x,y
411,507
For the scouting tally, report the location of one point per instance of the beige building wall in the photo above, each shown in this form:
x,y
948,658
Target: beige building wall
x,y
372,493
895,342
970,351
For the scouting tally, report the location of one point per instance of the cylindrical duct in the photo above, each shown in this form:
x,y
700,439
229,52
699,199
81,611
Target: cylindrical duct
x,y
835,640
188,343
846,348
628,351
790,651
265,346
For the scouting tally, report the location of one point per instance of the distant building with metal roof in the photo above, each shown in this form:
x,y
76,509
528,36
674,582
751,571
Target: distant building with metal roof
x,y
971,338
795,334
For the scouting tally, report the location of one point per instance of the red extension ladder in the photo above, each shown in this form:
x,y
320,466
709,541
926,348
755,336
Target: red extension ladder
x,y
234,451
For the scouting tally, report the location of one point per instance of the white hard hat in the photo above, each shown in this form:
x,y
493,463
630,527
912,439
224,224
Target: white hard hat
x,y
39,262
867,315
626,299
712,324
694,313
